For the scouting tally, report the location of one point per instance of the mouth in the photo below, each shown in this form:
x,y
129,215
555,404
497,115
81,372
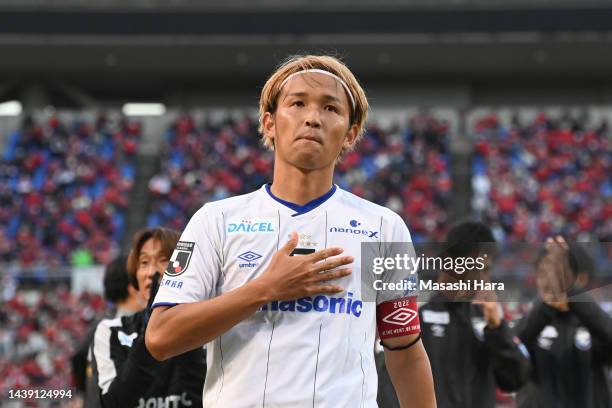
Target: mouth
x,y
310,137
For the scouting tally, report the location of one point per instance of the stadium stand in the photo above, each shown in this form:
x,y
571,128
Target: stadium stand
x,y
64,189
536,178
65,184
38,332
207,164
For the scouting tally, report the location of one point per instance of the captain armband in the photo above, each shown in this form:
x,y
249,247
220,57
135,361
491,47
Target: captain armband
x,y
398,317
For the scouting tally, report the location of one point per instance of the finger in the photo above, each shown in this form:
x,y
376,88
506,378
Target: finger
x,y
550,243
325,253
325,289
336,274
561,241
332,263
291,244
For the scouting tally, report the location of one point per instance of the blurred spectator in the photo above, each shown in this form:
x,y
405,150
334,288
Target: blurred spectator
x,y
544,178
64,189
568,335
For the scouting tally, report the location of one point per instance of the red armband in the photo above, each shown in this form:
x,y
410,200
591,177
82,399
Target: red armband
x,y
398,317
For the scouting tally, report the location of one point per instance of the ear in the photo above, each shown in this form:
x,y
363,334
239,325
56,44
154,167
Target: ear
x,y
269,127
132,291
350,137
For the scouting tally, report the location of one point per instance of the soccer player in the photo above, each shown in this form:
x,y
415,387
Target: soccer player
x,y
271,280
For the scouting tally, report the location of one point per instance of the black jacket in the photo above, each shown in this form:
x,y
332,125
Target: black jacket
x,y
128,376
468,360
569,352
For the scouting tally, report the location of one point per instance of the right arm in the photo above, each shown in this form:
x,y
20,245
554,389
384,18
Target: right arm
x,y
178,329
510,366
184,327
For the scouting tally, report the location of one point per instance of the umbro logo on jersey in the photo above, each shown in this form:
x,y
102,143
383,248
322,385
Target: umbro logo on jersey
x,y
353,228
248,257
401,316
250,226
180,258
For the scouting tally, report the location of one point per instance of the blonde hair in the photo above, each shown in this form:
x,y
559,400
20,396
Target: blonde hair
x,y
268,100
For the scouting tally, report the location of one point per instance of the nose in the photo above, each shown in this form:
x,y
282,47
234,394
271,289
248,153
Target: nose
x,y
313,118
151,271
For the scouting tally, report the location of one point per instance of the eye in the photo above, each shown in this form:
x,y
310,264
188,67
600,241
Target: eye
x,y
331,108
297,103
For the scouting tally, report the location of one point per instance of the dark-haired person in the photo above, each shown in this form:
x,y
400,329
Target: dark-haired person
x,y
569,337
125,300
118,289
471,348
127,374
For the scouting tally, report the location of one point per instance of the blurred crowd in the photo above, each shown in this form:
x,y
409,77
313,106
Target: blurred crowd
x,y
206,163
64,190
405,168
543,178
39,331
64,193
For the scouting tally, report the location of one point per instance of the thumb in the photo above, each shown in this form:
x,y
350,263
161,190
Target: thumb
x,y
291,244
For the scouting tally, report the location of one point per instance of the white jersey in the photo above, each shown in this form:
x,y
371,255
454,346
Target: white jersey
x,y
314,351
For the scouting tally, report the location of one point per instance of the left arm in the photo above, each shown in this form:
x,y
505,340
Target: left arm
x,y
405,356
410,372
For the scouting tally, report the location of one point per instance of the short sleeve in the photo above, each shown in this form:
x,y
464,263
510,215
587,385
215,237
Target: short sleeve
x,y
398,242
101,350
195,265
396,304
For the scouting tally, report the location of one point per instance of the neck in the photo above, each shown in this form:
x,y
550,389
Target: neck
x,y
130,304
300,186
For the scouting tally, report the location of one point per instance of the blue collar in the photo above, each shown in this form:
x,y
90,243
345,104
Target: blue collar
x,y
302,209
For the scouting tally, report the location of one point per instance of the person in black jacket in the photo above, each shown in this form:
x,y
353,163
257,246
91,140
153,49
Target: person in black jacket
x,y
471,348
569,337
125,299
128,376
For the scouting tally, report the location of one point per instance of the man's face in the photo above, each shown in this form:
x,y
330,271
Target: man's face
x,y
151,260
311,123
